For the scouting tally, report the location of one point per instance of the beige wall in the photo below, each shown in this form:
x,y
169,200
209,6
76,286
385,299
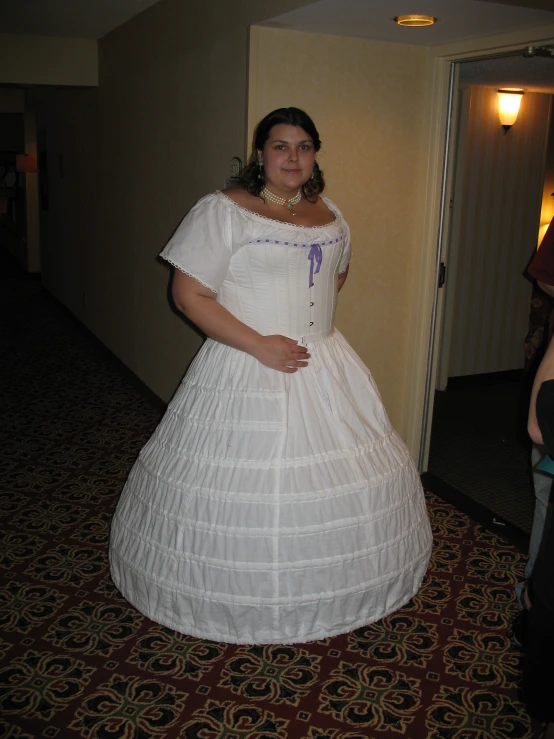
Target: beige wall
x,y
500,204
368,100
26,251
12,100
67,132
11,132
40,60
171,115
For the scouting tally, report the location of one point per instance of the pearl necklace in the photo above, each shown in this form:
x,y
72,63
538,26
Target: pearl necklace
x,y
288,203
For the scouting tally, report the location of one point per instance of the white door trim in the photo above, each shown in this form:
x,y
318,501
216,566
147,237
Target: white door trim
x,y
424,330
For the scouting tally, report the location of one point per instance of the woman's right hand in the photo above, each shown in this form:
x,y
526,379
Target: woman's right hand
x,y
199,304
281,353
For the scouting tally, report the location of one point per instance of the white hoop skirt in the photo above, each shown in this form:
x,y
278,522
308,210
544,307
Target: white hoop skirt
x,y
247,519
268,507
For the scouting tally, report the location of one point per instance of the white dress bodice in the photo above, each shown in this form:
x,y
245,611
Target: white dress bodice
x,y
276,277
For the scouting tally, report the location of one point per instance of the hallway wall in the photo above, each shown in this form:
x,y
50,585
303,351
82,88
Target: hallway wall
x,y
42,60
67,131
501,202
25,247
370,107
171,115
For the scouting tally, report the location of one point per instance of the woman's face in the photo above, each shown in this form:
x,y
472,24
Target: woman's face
x,y
288,157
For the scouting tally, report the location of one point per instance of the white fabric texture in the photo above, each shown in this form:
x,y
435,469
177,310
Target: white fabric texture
x,y
267,507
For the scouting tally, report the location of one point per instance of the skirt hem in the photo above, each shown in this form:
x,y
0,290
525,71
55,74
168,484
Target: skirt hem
x,y
318,636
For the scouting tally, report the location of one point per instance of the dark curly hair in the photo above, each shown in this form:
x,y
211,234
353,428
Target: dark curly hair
x,y
249,176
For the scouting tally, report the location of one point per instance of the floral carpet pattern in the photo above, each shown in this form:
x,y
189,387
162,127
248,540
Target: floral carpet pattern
x,y
76,660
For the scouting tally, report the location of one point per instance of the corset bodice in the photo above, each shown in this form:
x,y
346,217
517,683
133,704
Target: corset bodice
x,y
277,286
274,276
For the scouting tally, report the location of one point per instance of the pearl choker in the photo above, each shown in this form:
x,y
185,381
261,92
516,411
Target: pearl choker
x,y
288,203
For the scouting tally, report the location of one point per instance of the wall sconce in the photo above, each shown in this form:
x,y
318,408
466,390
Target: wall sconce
x,y
509,100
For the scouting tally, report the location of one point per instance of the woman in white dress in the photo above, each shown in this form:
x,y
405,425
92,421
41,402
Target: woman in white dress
x,y
274,503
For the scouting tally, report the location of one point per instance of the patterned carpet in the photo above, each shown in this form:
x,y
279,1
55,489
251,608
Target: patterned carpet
x,y
78,661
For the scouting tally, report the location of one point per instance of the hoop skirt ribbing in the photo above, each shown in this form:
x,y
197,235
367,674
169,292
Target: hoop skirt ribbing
x,y
271,507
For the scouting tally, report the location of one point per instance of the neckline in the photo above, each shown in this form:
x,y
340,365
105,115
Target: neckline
x,y
274,220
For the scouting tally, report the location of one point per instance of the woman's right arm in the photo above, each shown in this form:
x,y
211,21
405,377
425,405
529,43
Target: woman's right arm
x,y
198,303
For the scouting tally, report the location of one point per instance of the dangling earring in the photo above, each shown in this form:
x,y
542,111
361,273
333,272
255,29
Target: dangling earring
x,y
261,170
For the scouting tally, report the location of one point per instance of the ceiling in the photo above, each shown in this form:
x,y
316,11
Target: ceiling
x,y
372,19
88,19
534,75
457,20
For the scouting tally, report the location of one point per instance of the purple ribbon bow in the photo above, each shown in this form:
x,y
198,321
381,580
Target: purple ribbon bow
x,y
315,256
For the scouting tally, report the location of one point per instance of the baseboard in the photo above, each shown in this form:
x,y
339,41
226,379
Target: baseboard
x,y
488,519
484,379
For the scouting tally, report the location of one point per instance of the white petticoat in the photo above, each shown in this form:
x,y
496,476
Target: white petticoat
x,y
272,508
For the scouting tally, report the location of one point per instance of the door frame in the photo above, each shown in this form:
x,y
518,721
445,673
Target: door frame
x,y
427,309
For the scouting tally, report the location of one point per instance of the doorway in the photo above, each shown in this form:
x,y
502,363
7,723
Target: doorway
x,y
478,455
13,227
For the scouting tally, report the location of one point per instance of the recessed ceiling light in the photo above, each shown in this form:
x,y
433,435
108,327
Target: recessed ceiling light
x,y
415,20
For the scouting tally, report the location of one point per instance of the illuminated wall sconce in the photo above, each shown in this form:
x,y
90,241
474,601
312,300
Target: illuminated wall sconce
x,y
509,100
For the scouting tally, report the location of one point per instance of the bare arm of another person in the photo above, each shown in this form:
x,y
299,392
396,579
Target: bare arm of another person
x,y
199,304
548,289
544,372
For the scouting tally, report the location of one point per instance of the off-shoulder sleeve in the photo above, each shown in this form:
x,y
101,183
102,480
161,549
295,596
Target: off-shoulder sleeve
x,y
346,251
201,245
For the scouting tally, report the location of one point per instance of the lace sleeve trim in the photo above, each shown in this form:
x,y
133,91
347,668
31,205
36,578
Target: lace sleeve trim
x,y
184,271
